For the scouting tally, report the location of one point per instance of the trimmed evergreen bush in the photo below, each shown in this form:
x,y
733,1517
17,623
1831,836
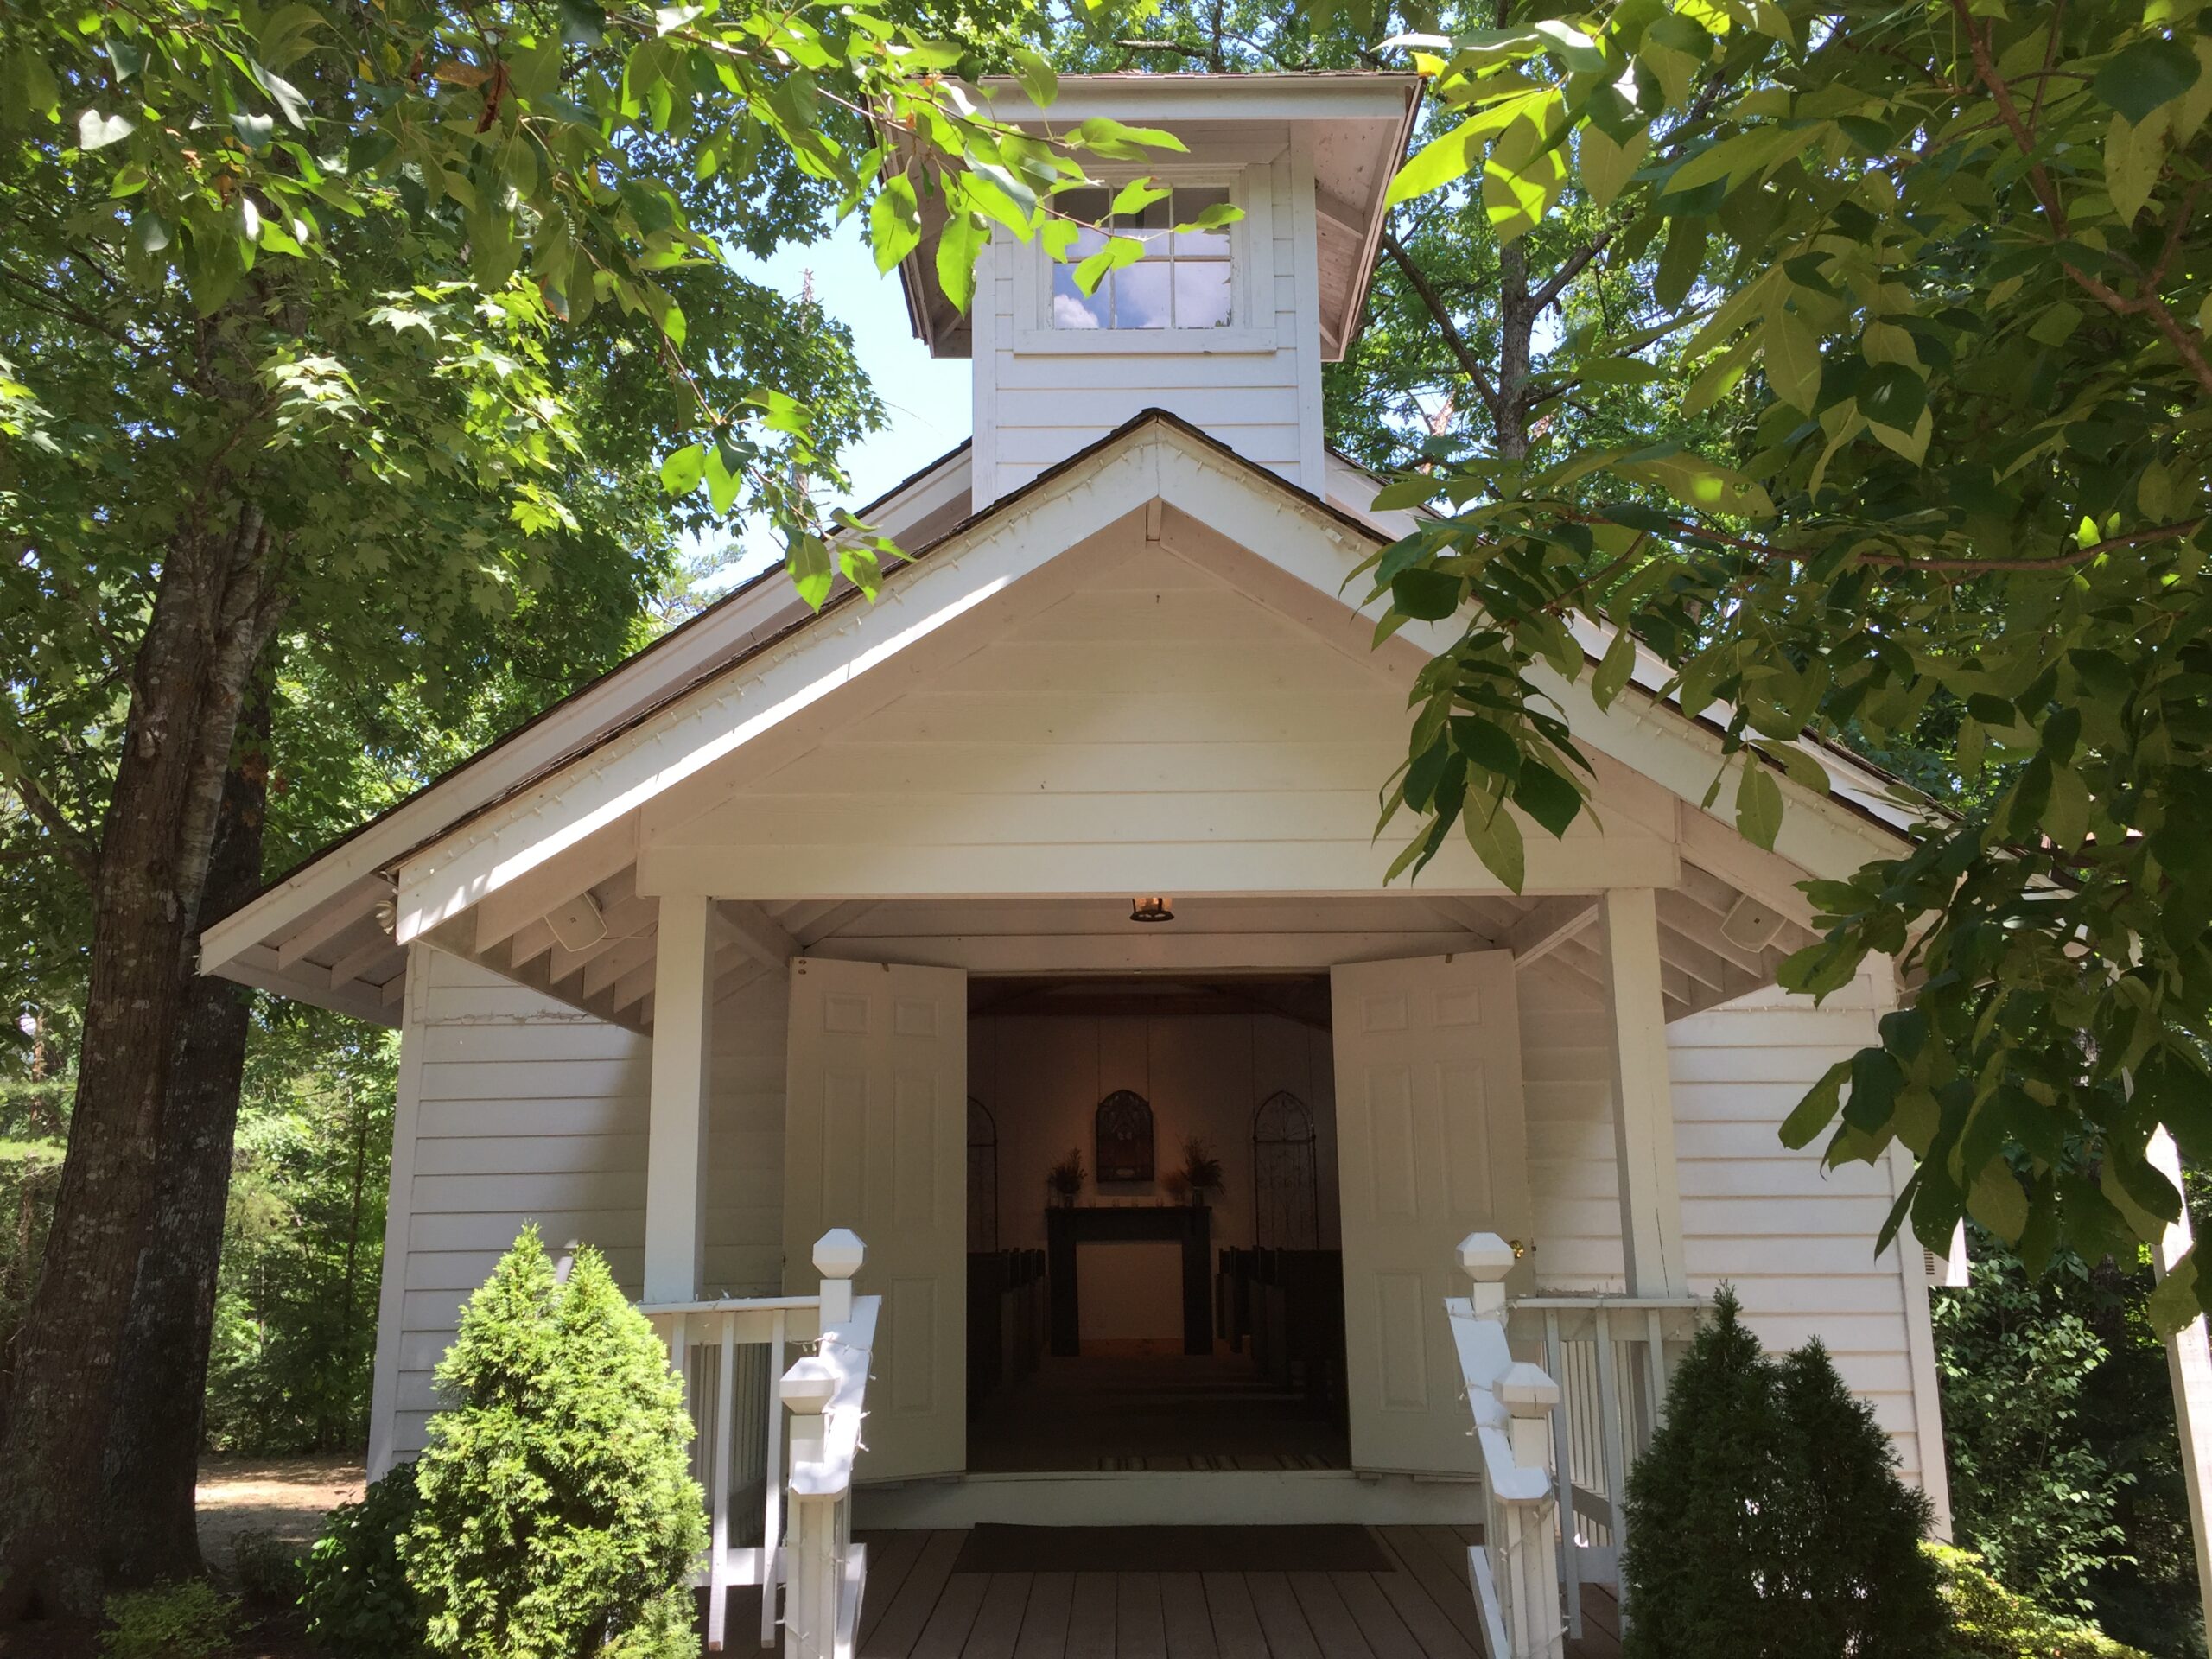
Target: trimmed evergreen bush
x,y
355,1592
559,1519
1766,1520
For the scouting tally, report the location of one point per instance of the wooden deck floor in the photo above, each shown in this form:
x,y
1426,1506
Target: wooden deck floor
x,y
1421,1607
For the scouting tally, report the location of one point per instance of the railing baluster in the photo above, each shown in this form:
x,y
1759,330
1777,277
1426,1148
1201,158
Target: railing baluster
x,y
1570,1563
718,1530
771,1521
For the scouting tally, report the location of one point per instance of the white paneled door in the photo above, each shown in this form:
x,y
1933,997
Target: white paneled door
x,y
876,1140
1432,1146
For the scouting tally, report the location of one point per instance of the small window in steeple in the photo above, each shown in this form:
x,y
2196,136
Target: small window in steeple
x,y
1181,281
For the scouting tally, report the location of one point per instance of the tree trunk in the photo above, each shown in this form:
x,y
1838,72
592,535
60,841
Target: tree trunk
x,y
209,620
1516,323
153,1437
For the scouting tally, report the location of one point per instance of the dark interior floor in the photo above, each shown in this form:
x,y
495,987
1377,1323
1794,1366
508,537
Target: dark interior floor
x,y
1171,1411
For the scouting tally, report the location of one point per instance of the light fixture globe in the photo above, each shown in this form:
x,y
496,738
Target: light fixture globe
x,y
1155,909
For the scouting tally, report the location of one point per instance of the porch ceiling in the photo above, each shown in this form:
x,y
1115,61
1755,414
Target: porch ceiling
x,y
1211,940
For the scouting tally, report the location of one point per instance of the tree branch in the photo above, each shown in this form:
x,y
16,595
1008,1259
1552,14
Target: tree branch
x,y
1453,340
1572,267
72,843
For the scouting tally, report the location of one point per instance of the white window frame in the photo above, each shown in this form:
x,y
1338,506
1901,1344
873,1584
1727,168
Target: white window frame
x,y
1252,325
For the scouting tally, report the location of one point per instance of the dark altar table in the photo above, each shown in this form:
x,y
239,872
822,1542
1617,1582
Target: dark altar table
x,y
1192,1224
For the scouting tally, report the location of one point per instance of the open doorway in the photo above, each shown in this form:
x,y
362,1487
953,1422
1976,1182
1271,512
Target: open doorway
x,y
1180,1306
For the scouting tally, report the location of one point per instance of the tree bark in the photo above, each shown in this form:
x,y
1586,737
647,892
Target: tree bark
x,y
210,616
1516,324
155,1432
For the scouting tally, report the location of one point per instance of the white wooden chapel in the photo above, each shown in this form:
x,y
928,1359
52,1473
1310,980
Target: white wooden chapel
x,y
682,966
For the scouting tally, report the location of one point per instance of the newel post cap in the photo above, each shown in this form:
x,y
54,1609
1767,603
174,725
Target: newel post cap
x,y
809,1386
1526,1390
838,1253
1485,1258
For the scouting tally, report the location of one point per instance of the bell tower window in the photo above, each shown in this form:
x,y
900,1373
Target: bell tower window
x,y
1184,280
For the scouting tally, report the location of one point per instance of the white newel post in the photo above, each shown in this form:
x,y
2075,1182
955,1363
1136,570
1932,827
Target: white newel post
x,y
811,1547
675,1138
1644,1120
1516,1569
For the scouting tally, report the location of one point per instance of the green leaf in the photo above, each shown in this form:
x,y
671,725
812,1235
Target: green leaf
x,y
1424,594
894,222
1118,251
958,245
2174,1303
1893,395
1037,77
97,131
2142,77
1758,804
1135,195
2134,155
1607,165
1111,139
681,472
1496,839
254,131
1792,349
724,479
1613,672
2066,814
1545,795
1997,1201
1818,1108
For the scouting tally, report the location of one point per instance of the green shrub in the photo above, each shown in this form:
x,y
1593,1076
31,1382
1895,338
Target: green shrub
x,y
559,1519
186,1619
353,1584
1766,1520
268,1570
1989,1621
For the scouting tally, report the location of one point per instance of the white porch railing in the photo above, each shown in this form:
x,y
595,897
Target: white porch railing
x,y
1612,1357
730,1354
1516,1568
1557,1439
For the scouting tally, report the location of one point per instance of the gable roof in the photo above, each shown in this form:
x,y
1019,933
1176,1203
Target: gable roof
x,y
299,934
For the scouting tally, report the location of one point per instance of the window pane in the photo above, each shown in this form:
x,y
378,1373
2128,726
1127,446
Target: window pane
x,y
1141,295
1202,294
1152,216
1072,308
1089,207
1210,244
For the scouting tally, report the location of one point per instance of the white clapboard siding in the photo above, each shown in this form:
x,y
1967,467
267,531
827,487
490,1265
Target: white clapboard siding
x,y
1091,730
1796,1240
1035,406
527,1110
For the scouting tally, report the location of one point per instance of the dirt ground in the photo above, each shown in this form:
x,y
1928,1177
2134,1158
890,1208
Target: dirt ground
x,y
288,1497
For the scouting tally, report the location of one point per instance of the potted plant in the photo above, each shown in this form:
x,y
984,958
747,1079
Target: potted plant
x,y
1177,1186
1201,1169
1067,1178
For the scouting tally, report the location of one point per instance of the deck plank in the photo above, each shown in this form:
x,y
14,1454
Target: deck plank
x,y
1090,1617
1139,1629
1235,1624
998,1621
1044,1620
908,1611
1438,1632
891,1557
1446,1587
1378,1621
946,1635
1331,1622
1282,1621
1183,1612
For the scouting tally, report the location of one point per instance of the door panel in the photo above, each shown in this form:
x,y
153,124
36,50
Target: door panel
x,y
1432,1146
876,1140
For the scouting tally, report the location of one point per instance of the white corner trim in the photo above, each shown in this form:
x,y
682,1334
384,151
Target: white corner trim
x,y
398,1215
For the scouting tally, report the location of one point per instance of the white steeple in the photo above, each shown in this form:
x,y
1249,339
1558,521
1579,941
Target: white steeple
x,y
1227,329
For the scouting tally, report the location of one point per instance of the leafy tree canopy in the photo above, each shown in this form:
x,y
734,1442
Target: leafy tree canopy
x,y
1940,281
